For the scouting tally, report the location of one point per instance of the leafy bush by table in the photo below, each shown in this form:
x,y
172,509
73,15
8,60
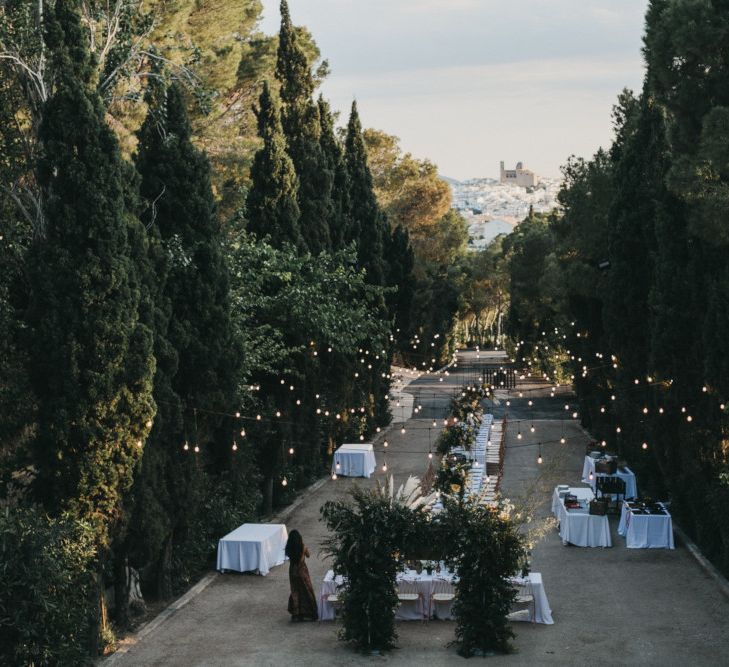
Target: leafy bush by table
x,y
46,588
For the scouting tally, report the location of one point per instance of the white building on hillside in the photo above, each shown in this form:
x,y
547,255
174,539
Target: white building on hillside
x,y
524,178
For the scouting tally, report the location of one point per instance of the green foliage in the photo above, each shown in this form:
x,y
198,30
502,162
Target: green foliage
x,y
487,551
90,349
368,226
301,124
282,303
46,580
637,262
372,535
366,534
271,207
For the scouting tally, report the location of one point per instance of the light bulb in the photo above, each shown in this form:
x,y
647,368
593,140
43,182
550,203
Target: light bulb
x,y
384,444
284,482
235,447
243,433
645,445
334,475
185,446
539,459
384,467
430,455
291,450
562,440
531,428
518,435
197,449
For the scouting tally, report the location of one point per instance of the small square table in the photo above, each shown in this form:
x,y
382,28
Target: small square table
x,y
253,547
645,531
354,460
579,527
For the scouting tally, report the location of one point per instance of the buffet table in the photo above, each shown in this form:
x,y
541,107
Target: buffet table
x,y
579,527
253,547
426,585
631,486
644,530
354,460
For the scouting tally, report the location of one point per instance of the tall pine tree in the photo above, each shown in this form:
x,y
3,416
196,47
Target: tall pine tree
x,y
301,126
368,226
272,209
91,353
198,359
339,222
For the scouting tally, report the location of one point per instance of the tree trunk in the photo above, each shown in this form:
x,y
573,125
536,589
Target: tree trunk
x,y
97,614
121,589
268,495
164,570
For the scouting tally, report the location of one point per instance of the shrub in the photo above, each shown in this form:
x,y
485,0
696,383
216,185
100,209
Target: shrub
x,y
47,583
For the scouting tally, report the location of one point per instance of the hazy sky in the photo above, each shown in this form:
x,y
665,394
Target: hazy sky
x,y
468,83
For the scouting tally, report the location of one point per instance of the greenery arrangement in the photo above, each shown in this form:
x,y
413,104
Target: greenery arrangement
x,y
374,534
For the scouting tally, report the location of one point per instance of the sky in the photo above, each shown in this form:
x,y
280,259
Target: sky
x,y
468,83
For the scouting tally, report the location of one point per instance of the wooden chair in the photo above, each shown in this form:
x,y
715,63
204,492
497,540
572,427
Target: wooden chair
x,y
610,486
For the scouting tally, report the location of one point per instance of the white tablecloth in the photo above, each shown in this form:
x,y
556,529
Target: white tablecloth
x,y
355,460
646,531
631,486
427,585
579,527
253,546
534,586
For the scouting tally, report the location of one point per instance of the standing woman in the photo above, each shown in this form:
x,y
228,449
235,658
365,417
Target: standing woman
x,y
302,602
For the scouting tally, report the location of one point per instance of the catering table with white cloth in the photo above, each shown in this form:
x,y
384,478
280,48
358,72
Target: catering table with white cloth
x,y
354,460
579,527
645,531
631,486
427,585
253,546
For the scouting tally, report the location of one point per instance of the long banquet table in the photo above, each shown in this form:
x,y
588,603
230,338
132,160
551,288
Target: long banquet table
x,y
354,460
579,527
253,547
428,584
645,531
631,486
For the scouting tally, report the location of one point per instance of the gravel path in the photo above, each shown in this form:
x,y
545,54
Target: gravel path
x,y
610,606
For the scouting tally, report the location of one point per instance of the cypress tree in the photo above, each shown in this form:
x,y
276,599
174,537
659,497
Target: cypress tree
x,y
339,222
197,360
301,124
368,226
272,208
91,354
400,265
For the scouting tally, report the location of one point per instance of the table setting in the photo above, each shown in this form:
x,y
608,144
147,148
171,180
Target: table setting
x,y
599,464
429,583
577,525
646,525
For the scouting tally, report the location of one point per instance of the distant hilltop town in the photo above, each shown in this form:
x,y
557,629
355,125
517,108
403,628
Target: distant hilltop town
x,y
492,207
524,178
